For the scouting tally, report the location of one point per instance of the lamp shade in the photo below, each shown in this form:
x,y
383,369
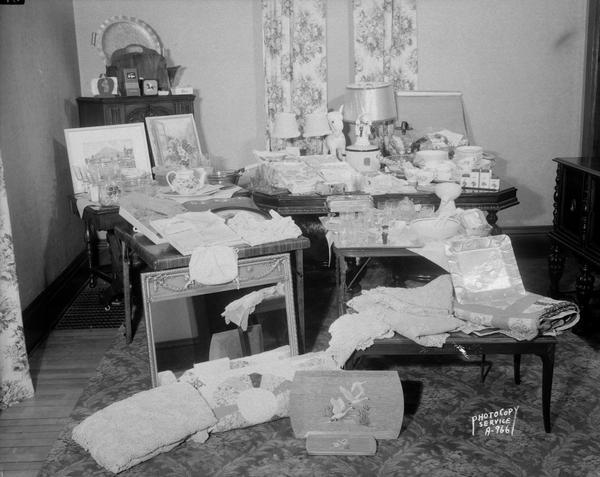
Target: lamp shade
x,y
285,126
373,99
316,124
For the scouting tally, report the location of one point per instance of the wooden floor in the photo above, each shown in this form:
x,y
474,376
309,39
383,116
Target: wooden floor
x,y
60,369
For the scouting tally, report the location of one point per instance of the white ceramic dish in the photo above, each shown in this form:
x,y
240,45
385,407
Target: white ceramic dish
x,y
435,228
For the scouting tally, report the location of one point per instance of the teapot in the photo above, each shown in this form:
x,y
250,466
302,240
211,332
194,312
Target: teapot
x,y
186,181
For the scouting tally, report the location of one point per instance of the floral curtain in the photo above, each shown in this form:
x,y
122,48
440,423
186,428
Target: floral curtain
x,y
15,381
294,55
385,42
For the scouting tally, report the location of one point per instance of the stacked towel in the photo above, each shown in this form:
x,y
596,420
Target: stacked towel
x,y
146,424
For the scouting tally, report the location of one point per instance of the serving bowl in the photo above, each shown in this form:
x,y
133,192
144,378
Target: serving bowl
x,y
225,177
435,228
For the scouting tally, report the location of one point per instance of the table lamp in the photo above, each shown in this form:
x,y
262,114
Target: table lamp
x,y
285,127
316,126
374,103
372,108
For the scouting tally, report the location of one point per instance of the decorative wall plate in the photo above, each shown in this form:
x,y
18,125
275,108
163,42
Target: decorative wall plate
x,y
120,31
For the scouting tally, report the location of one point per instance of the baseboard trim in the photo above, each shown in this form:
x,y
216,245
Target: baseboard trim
x,y
41,316
529,241
531,230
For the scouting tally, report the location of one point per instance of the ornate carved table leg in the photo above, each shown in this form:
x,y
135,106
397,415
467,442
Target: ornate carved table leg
x,y
584,286
556,266
91,248
126,263
341,269
114,292
492,218
299,276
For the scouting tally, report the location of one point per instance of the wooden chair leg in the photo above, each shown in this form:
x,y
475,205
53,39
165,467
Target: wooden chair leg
x,y
547,373
353,360
484,368
517,368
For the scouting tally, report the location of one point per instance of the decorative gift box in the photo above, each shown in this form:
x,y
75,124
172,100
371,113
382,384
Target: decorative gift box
x,y
347,404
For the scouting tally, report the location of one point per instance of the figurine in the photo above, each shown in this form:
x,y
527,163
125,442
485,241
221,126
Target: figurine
x,y
336,142
362,130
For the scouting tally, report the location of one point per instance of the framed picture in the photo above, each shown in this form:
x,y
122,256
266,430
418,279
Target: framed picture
x,y
122,145
174,142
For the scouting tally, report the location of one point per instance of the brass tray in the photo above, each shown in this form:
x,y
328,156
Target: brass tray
x,y
120,31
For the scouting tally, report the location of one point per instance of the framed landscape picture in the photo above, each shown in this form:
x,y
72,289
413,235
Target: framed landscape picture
x,y
174,142
123,146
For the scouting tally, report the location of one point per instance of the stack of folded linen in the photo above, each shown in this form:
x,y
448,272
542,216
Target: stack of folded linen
x,y
295,176
256,230
422,314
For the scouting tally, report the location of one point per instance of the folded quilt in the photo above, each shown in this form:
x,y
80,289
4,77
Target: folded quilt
x,y
146,424
255,389
523,320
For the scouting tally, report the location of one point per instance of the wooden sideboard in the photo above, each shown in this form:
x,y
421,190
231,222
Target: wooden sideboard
x,y
98,111
576,223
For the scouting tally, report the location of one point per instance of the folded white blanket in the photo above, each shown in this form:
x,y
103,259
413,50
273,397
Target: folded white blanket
x,y
423,314
146,424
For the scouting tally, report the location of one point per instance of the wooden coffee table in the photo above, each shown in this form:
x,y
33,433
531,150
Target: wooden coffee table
x,y
459,344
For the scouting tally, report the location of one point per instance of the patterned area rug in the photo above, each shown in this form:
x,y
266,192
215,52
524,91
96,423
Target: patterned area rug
x,y
90,310
436,439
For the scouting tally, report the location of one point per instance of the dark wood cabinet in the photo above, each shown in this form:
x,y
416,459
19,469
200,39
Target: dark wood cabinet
x,y
97,111
576,223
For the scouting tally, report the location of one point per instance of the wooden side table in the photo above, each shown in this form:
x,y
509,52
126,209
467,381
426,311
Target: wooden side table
x,y
98,218
459,344
165,264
